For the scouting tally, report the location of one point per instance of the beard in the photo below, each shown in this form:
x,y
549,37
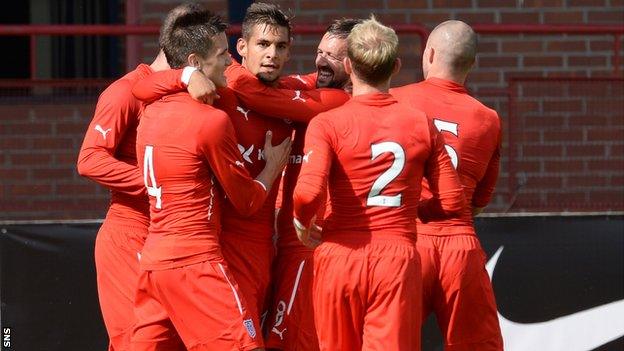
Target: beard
x,y
267,78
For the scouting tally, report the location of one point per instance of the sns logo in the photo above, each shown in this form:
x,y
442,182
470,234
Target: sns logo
x,y
6,337
279,319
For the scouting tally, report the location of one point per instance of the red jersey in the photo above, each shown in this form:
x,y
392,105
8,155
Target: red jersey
x,y
373,152
251,126
472,134
190,156
300,112
108,152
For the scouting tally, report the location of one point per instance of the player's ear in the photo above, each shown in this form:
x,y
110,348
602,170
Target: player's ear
x,y
347,65
192,60
430,54
241,47
397,66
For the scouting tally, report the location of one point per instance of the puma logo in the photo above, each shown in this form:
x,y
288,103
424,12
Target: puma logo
x,y
243,111
101,130
278,332
298,96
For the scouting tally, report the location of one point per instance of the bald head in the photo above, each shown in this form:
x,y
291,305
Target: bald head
x,y
451,49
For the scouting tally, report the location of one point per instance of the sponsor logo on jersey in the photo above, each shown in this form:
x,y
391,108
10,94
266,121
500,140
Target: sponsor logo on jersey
x,y
298,159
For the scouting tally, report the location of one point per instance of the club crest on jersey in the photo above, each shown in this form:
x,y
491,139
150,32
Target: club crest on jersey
x,y
251,330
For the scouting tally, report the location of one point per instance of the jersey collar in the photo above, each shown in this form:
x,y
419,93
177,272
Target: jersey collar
x,y
446,84
375,99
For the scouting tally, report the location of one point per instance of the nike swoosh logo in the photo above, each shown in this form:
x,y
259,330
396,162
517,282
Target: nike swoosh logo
x,y
579,331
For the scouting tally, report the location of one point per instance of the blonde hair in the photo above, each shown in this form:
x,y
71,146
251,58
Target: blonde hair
x,y
373,49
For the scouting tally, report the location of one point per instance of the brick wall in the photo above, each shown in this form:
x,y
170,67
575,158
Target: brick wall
x,y
38,180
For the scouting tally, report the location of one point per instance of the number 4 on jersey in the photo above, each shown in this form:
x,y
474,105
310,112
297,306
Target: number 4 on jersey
x,y
148,170
444,126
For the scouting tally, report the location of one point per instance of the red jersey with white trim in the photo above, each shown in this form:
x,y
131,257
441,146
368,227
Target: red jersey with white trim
x,y
374,152
275,109
108,152
472,134
190,156
247,84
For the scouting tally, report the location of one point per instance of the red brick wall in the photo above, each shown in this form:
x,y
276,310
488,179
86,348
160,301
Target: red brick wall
x,y
576,163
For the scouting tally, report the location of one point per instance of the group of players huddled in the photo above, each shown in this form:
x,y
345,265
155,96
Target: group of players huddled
x,y
321,211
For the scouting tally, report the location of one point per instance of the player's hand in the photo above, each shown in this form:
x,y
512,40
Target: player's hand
x,y
201,88
310,237
276,156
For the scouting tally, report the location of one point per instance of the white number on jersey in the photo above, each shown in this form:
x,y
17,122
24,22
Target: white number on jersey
x,y
444,126
374,199
148,170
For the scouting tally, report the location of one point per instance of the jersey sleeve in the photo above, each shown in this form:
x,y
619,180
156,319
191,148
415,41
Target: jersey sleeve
x,y
158,84
448,195
115,112
297,105
246,194
299,81
485,188
311,189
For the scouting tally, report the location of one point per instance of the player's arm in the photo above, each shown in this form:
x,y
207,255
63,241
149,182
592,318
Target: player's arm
x,y
296,105
299,81
159,84
448,195
485,188
310,191
220,149
115,112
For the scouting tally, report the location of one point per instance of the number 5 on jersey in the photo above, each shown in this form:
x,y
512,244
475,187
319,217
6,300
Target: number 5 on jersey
x,y
148,170
453,128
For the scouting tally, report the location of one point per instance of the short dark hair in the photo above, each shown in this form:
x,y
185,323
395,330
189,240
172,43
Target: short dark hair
x,y
341,27
174,14
260,13
192,33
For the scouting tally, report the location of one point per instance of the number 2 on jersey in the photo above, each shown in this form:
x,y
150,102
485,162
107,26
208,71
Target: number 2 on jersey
x,y
374,199
148,170
444,126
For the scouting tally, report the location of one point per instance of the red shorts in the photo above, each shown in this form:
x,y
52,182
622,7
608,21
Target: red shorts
x,y
198,304
367,296
117,266
457,288
291,316
250,264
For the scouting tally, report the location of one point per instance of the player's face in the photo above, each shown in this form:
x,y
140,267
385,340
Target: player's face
x,y
329,67
213,66
266,51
